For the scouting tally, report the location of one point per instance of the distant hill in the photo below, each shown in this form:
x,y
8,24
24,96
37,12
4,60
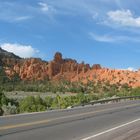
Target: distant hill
x,y
8,58
5,54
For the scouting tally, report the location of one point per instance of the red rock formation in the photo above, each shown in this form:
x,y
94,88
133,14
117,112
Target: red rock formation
x,y
68,69
96,66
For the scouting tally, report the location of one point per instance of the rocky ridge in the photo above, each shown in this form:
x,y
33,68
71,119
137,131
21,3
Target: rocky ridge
x,y
65,69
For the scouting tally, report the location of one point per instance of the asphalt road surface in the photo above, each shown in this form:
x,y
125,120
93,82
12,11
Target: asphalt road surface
x,y
114,121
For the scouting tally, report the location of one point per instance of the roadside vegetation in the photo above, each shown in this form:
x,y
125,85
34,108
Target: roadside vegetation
x,y
84,95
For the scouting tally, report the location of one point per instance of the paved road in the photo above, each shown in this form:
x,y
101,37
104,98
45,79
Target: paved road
x,y
117,121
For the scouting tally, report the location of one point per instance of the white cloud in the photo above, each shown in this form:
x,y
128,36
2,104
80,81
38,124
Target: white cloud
x,y
102,38
15,12
95,15
44,6
24,51
14,18
124,18
131,69
22,18
114,38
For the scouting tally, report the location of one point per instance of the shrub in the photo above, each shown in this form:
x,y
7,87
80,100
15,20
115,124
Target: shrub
x,y
32,104
9,109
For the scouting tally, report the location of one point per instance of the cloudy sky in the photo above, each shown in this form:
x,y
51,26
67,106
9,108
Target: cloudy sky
x,y
96,31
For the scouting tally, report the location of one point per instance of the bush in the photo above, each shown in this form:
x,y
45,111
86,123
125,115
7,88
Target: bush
x,y
7,106
32,104
9,109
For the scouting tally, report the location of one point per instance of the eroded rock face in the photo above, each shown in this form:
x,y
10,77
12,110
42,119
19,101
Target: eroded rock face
x,y
113,76
68,69
96,66
58,57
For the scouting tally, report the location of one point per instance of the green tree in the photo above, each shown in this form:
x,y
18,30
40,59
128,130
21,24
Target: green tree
x,y
3,99
3,76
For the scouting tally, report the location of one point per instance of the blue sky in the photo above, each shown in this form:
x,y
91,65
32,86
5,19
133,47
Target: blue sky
x,y
95,31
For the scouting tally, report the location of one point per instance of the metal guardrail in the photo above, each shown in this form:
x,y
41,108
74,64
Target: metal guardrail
x,y
103,101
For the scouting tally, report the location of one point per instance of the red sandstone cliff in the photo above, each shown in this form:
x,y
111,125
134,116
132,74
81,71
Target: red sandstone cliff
x,y
68,69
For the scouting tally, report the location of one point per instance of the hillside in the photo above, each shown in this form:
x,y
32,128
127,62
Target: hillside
x,y
64,69
8,58
5,54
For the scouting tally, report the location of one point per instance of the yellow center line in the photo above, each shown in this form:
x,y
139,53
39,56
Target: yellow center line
x,y
23,124
63,117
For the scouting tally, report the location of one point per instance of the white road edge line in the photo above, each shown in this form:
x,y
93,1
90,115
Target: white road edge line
x,y
112,129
